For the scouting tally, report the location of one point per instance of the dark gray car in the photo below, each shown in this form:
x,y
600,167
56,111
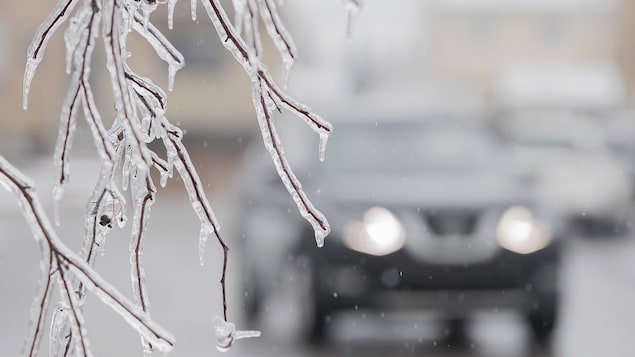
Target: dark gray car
x,y
425,214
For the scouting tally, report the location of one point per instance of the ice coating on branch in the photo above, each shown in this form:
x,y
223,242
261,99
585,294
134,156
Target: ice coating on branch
x,y
58,192
146,17
232,41
143,192
73,34
273,145
40,305
280,36
160,339
59,325
206,230
226,333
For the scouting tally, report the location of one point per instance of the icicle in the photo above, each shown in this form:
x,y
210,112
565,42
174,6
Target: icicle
x,y
320,236
239,13
226,333
164,178
324,137
193,9
41,39
171,6
171,74
29,72
58,192
163,49
353,8
286,71
206,230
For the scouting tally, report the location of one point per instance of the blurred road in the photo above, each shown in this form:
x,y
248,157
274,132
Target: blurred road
x,y
597,316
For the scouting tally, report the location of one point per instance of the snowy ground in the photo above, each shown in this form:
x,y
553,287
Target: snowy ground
x,y
597,316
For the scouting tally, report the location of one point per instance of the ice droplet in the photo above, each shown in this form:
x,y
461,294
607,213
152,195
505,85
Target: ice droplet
x,y
58,192
226,333
324,137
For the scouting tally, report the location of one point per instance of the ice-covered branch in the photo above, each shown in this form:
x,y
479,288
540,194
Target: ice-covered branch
x,y
263,88
67,262
140,119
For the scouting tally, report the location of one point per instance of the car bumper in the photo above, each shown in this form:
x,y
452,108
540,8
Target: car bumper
x,y
346,279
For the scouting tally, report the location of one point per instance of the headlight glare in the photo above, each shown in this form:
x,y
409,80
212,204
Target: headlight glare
x,y
519,232
380,233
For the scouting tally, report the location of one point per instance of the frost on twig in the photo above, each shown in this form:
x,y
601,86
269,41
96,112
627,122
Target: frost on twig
x,y
127,160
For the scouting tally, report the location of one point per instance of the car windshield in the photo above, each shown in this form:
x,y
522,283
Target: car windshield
x,y
413,148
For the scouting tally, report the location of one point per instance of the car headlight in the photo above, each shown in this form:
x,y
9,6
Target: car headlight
x,y
380,233
519,232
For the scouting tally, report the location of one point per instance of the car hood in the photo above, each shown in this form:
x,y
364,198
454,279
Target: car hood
x,y
439,192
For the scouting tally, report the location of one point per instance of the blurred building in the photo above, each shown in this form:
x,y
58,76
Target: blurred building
x,y
211,96
626,48
528,53
501,54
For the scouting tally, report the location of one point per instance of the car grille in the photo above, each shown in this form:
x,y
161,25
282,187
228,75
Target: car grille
x,y
451,223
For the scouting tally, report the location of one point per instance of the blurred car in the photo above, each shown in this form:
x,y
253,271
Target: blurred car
x,y
578,180
424,215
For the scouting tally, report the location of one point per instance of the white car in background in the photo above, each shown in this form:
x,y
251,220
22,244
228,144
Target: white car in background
x,y
576,177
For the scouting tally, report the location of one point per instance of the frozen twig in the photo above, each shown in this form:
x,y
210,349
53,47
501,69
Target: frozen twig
x,y
67,262
263,86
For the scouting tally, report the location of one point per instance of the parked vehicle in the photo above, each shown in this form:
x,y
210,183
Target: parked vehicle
x,y
577,179
425,214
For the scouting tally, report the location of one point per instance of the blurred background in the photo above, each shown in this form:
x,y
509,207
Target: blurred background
x,y
479,183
